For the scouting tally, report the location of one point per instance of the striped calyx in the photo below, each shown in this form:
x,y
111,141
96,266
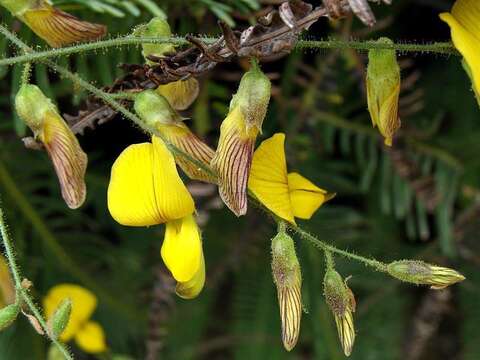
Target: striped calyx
x,y
288,280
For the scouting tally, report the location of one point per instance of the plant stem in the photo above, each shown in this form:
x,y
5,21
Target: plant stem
x,y
360,45
21,292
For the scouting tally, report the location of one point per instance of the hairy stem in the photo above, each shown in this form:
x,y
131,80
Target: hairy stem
x,y
360,45
21,292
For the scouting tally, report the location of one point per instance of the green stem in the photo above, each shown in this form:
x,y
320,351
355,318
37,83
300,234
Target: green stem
x,y
21,292
26,73
378,265
360,45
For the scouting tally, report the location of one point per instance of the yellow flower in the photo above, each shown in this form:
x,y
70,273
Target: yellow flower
x,y
145,189
88,334
68,158
464,22
56,27
238,132
158,114
286,195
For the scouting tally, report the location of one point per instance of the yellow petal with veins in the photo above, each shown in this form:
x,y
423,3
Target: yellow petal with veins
x,y
145,188
268,177
83,301
193,287
305,196
464,22
182,248
91,338
180,94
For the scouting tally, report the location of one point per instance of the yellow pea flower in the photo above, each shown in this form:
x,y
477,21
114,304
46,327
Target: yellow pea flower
x,y
238,132
88,335
464,22
156,111
145,189
68,158
287,195
56,27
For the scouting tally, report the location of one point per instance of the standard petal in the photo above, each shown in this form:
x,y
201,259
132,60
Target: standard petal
x,y
181,136
68,158
268,177
305,196
467,42
180,94
467,13
233,159
59,28
91,338
182,248
193,287
83,301
145,188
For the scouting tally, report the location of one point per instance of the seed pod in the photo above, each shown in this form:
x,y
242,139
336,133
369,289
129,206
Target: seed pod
x,y
59,321
288,280
383,90
341,302
422,273
8,315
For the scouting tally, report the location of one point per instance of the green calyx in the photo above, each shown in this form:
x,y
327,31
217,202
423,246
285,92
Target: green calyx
x,y
336,292
285,265
154,109
60,318
32,106
253,96
18,7
8,315
157,27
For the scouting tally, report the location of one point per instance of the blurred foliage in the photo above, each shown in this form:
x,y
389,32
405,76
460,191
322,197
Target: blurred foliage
x,y
319,101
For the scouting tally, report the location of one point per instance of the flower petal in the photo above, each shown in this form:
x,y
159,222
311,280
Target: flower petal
x,y
180,135
268,177
84,303
145,188
180,94
91,338
59,28
305,196
466,40
68,158
191,288
182,248
233,159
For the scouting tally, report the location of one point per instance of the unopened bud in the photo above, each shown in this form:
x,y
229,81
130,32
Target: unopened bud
x,y
7,288
419,272
157,27
238,132
383,90
341,302
8,315
68,158
288,280
155,110
59,321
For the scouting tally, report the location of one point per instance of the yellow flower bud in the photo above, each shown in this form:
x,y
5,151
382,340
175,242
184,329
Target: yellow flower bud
x,y
288,280
8,314
157,113
341,302
422,273
69,160
7,288
233,158
383,90
56,27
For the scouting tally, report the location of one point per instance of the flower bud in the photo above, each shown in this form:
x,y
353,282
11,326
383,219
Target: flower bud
x,y
341,302
419,272
68,158
158,115
56,27
8,315
7,288
233,158
156,27
383,90
288,280
59,321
